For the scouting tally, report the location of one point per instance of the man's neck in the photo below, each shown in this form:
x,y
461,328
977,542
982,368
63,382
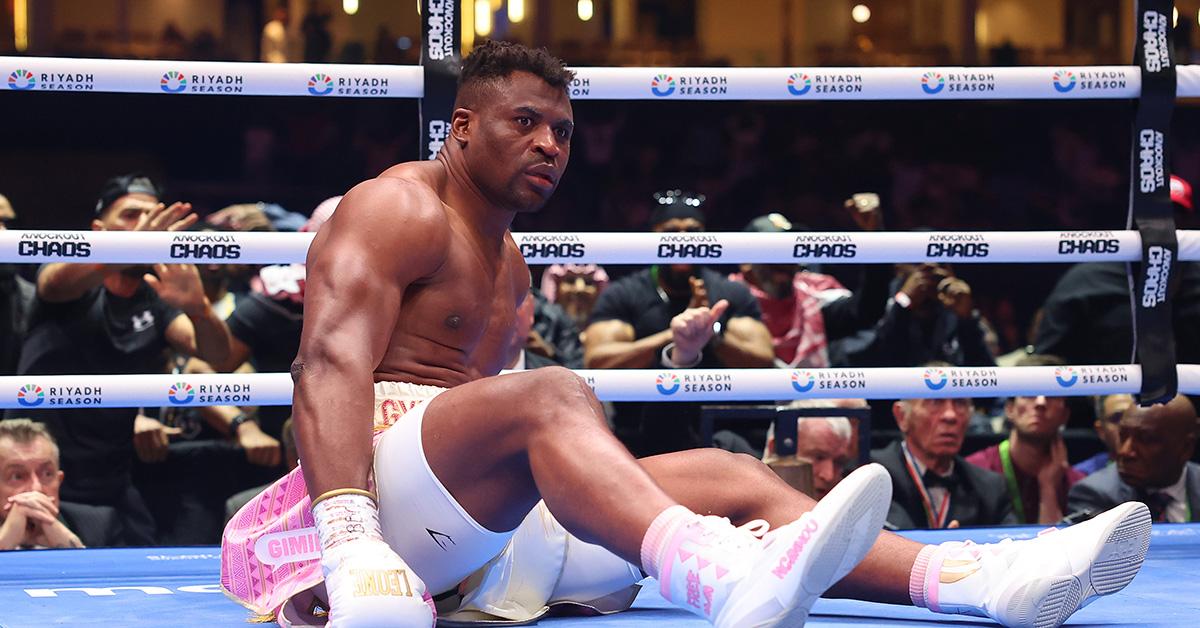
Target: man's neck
x,y
482,215
938,464
121,285
1029,452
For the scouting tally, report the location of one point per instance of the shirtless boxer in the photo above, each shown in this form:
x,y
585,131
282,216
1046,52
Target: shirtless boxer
x,y
412,290
410,299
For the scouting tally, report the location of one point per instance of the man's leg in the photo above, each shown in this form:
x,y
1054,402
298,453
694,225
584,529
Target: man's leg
x,y
716,482
497,445
500,444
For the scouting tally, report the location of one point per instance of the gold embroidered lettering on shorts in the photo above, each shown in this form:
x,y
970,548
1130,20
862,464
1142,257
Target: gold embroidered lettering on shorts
x,y
955,570
381,582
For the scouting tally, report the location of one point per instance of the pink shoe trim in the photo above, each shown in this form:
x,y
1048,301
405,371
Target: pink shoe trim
x,y
658,534
917,577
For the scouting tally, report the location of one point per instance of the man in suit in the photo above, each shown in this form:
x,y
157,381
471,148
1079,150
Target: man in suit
x,y
932,485
1152,465
31,515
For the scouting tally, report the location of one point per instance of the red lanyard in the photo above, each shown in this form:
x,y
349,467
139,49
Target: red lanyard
x,y
937,520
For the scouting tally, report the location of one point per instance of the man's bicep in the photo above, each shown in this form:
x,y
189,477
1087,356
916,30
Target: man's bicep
x,y
604,332
361,263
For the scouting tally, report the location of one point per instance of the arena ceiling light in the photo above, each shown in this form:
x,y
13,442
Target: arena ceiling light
x,y
483,18
350,6
860,13
516,10
585,9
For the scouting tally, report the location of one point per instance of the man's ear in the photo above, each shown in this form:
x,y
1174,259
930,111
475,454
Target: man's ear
x,y
462,123
97,225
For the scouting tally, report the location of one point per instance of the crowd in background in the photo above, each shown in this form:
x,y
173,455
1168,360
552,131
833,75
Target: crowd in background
x,y
139,476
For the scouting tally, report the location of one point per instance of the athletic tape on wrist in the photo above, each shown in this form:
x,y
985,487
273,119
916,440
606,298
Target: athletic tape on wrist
x,y
346,517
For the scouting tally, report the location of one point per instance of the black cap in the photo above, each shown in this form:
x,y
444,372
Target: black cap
x,y
773,222
132,183
671,204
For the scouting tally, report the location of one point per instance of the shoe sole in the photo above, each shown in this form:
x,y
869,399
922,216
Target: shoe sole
x,y
853,514
1114,562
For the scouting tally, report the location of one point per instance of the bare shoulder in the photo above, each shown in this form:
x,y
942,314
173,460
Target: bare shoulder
x,y
400,218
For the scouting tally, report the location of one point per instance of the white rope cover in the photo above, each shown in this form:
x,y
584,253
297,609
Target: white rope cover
x,y
273,389
599,83
116,247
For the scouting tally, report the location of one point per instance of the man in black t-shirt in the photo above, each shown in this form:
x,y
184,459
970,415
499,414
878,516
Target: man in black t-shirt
x,y
115,319
674,316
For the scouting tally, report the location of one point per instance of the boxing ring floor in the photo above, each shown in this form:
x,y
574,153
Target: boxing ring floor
x,y
176,587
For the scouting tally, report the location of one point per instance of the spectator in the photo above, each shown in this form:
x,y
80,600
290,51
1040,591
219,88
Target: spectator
x,y
826,443
1109,409
16,301
575,288
932,317
274,41
32,516
266,325
1033,459
805,310
1152,465
554,335
676,316
1088,319
932,485
315,28
114,319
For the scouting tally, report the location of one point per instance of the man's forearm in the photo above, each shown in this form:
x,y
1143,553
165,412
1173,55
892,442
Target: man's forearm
x,y
637,354
61,282
212,336
333,406
744,353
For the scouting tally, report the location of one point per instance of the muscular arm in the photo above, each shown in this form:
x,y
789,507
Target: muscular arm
x,y
387,234
610,345
747,344
60,282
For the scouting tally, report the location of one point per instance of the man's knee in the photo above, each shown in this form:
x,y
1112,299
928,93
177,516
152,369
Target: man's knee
x,y
558,390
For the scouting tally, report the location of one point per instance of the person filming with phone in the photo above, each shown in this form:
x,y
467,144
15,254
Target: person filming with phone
x,y
674,316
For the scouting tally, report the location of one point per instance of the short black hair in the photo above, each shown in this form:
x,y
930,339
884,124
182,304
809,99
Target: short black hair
x,y
497,59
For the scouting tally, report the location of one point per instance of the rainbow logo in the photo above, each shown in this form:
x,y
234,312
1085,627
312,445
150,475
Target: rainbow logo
x,y
21,80
173,82
803,381
667,383
180,393
30,396
1065,376
935,379
1064,81
799,84
320,84
933,82
663,85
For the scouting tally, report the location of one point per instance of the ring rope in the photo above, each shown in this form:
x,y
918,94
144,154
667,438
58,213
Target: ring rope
x,y
143,247
275,389
594,83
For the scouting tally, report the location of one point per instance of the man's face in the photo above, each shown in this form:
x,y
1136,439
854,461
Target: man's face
x,y
519,141
1154,446
1038,417
7,214
124,213
675,276
777,280
1108,424
828,453
934,426
577,294
28,467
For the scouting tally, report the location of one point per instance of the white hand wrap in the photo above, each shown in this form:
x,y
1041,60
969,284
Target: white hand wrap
x,y
368,583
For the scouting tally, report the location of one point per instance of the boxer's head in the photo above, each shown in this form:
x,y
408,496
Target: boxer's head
x,y
512,124
28,461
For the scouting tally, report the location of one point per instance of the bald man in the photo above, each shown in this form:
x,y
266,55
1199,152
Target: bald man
x,y
1152,465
